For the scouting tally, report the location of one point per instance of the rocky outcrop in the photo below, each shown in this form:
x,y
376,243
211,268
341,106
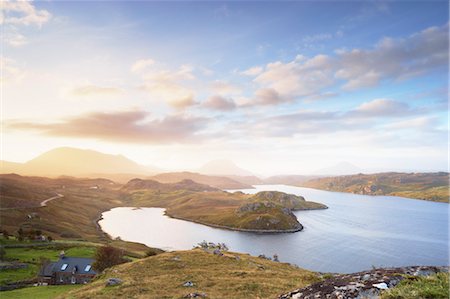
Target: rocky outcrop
x,y
367,284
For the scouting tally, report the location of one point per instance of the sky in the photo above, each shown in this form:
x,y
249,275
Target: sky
x,y
276,87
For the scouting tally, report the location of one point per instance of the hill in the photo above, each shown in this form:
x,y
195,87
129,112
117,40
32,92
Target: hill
x,y
213,181
426,186
341,168
223,168
293,180
264,212
232,275
77,162
186,185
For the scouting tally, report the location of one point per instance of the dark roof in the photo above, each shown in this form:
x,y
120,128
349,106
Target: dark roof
x,y
47,270
78,263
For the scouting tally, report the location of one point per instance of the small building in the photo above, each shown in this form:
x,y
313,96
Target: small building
x,y
67,270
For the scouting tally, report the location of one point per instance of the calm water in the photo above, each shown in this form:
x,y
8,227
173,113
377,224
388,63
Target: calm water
x,y
355,233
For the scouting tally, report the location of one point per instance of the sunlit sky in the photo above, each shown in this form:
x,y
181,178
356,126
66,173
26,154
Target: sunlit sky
x,y
288,87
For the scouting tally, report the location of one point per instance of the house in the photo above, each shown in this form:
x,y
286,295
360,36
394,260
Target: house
x,y
67,270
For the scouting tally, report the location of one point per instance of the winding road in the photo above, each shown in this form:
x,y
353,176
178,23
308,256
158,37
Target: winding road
x,y
42,204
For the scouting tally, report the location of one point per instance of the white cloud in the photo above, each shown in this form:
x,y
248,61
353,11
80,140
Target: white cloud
x,y
15,39
224,88
219,103
142,64
23,13
10,70
298,78
170,85
253,71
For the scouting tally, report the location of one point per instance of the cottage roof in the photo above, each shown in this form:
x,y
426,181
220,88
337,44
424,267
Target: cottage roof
x,y
67,264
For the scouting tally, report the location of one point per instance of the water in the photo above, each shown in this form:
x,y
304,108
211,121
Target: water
x,y
356,233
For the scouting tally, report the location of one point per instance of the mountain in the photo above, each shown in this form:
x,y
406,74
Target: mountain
x,y
10,167
213,181
342,168
223,167
188,185
78,162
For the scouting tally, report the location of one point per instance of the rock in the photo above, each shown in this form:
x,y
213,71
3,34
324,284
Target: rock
x,y
188,284
195,295
366,277
113,281
217,252
381,286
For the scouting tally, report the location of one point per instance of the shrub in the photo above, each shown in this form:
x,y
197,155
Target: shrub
x,y
107,256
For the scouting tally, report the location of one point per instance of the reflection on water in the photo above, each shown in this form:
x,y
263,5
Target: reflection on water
x,y
355,233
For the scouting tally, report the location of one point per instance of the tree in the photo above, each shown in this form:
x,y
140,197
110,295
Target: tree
x,y
107,256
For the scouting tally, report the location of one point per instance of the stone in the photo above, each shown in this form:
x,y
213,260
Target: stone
x,y
366,277
381,286
195,295
188,284
113,281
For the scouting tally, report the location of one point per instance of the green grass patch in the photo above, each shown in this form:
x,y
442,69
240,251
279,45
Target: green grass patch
x,y
434,286
42,292
7,276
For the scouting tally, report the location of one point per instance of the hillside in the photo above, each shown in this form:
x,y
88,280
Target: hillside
x,y
77,162
71,217
263,212
293,180
186,185
426,186
219,182
232,275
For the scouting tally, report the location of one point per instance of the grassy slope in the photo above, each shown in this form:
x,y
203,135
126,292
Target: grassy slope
x,y
435,286
72,217
426,186
225,276
43,292
221,208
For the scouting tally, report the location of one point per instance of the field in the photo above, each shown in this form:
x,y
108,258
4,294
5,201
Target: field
x,y
435,286
41,292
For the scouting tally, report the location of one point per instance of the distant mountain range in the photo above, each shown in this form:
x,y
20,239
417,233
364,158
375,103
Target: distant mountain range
x,y
341,168
223,168
77,162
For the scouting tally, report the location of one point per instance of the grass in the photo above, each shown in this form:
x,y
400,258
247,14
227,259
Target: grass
x,y
232,275
434,286
41,292
7,276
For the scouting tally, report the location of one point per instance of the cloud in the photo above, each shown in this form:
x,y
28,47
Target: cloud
x,y
224,88
381,108
130,126
298,78
89,90
396,59
170,86
253,71
267,96
23,13
141,65
390,59
15,39
10,70
219,103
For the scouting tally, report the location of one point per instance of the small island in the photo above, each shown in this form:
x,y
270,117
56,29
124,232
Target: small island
x,y
263,212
